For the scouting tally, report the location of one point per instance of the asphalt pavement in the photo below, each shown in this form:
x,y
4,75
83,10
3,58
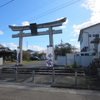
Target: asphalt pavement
x,y
28,92
37,65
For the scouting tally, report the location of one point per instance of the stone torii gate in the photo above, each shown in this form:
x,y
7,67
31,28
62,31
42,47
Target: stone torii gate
x,y
49,32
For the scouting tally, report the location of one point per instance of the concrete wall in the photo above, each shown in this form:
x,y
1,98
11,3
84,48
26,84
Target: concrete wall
x,y
78,60
70,58
61,60
1,61
86,60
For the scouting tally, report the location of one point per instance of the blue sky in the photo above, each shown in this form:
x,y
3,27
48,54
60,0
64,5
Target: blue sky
x,y
79,14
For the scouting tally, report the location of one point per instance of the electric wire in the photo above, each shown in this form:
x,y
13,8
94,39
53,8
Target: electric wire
x,y
42,5
6,3
35,9
53,10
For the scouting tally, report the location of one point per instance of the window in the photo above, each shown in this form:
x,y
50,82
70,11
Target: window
x,y
89,35
87,54
93,35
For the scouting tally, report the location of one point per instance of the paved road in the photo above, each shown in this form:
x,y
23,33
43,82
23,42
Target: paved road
x,y
39,64
29,92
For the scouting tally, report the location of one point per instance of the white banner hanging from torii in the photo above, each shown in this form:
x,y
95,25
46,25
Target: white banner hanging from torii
x,y
50,56
18,55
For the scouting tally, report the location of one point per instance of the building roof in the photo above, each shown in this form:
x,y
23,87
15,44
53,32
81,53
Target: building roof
x,y
1,46
81,31
4,49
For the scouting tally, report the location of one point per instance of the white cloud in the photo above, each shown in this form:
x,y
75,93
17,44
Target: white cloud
x,y
62,27
83,25
25,23
1,32
94,6
73,39
36,48
14,25
11,46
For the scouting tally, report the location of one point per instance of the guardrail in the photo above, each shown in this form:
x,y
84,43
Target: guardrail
x,y
42,71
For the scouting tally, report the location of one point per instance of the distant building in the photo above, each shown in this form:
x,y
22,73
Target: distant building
x,y
30,51
5,53
86,36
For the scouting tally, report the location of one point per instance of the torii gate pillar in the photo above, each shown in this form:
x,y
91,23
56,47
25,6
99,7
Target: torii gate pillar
x,y
48,25
20,45
50,36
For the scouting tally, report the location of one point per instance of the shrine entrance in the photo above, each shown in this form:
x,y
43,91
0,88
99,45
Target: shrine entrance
x,y
34,31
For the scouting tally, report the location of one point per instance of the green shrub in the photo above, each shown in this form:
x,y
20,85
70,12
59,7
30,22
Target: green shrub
x,y
26,56
75,65
69,66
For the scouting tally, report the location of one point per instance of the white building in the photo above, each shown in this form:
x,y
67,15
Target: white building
x,y
86,36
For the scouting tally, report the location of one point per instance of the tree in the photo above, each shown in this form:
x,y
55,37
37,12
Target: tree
x,y
26,55
35,54
63,48
14,55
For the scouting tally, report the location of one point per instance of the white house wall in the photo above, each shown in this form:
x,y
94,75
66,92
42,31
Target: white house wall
x,y
89,35
84,41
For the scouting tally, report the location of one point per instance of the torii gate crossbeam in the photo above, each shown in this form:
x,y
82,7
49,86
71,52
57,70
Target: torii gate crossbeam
x,y
48,25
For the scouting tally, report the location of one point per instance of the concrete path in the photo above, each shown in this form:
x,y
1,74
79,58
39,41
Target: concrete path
x,y
28,92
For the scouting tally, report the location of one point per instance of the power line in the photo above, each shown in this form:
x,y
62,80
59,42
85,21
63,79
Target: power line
x,y
53,10
6,3
42,5
36,8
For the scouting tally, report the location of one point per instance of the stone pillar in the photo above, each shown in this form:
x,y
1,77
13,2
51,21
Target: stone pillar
x,y
20,45
50,36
